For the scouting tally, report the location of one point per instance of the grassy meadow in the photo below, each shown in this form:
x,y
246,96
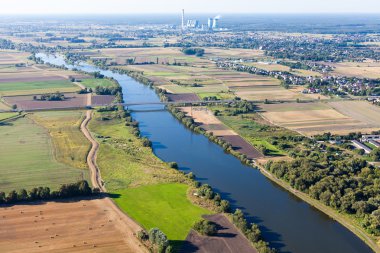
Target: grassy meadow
x,y
27,158
70,145
93,83
165,206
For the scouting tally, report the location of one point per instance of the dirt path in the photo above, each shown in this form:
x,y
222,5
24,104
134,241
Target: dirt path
x,y
129,226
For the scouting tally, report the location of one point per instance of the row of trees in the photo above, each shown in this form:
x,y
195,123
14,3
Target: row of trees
x,y
80,188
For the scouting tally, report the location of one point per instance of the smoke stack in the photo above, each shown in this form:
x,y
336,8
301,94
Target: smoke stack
x,y
183,19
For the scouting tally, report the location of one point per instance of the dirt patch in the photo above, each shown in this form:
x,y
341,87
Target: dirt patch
x,y
227,240
77,226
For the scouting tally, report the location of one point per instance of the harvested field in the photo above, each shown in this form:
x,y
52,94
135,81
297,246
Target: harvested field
x,y
317,118
206,120
32,80
7,115
72,100
227,240
72,226
359,110
186,97
367,69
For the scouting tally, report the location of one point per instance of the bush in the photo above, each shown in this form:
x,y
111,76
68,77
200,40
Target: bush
x,y
173,165
158,238
205,227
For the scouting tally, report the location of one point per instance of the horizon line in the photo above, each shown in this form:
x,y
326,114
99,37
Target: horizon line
x,y
196,13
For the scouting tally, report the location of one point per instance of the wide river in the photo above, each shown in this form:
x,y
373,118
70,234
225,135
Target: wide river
x,y
288,223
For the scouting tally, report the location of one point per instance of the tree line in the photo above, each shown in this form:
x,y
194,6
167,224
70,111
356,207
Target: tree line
x,y
80,188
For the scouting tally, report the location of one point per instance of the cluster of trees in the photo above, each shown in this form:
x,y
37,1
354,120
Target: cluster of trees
x,y
85,91
112,90
349,185
58,96
252,232
206,191
205,227
80,188
158,240
193,51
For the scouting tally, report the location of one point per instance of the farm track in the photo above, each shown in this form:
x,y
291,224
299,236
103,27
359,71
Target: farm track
x,y
125,222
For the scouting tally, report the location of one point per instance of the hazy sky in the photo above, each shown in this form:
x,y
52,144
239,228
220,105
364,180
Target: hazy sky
x,y
191,6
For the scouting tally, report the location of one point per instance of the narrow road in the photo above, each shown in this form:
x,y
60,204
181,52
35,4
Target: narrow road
x,y
128,226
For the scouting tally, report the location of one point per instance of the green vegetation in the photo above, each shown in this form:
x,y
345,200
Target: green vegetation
x,y
162,205
27,159
94,82
80,188
205,227
41,85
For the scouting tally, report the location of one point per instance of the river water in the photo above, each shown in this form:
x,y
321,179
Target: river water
x,y
288,223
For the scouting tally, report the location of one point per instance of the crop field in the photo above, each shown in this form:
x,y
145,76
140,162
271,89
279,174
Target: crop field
x,y
142,185
71,226
317,118
368,69
165,206
27,158
12,57
26,102
36,87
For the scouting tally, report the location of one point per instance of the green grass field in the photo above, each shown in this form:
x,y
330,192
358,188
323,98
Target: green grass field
x,y
165,206
143,186
26,86
27,160
93,83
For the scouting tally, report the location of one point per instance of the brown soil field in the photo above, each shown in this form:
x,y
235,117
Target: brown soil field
x,y
227,240
27,103
76,226
97,100
317,118
206,120
185,97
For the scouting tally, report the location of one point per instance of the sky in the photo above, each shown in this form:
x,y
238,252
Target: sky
x,y
191,6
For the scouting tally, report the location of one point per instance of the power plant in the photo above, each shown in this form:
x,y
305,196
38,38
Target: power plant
x,y
213,24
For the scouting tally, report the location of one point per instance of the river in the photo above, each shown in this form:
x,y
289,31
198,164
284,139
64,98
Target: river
x,y
288,223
